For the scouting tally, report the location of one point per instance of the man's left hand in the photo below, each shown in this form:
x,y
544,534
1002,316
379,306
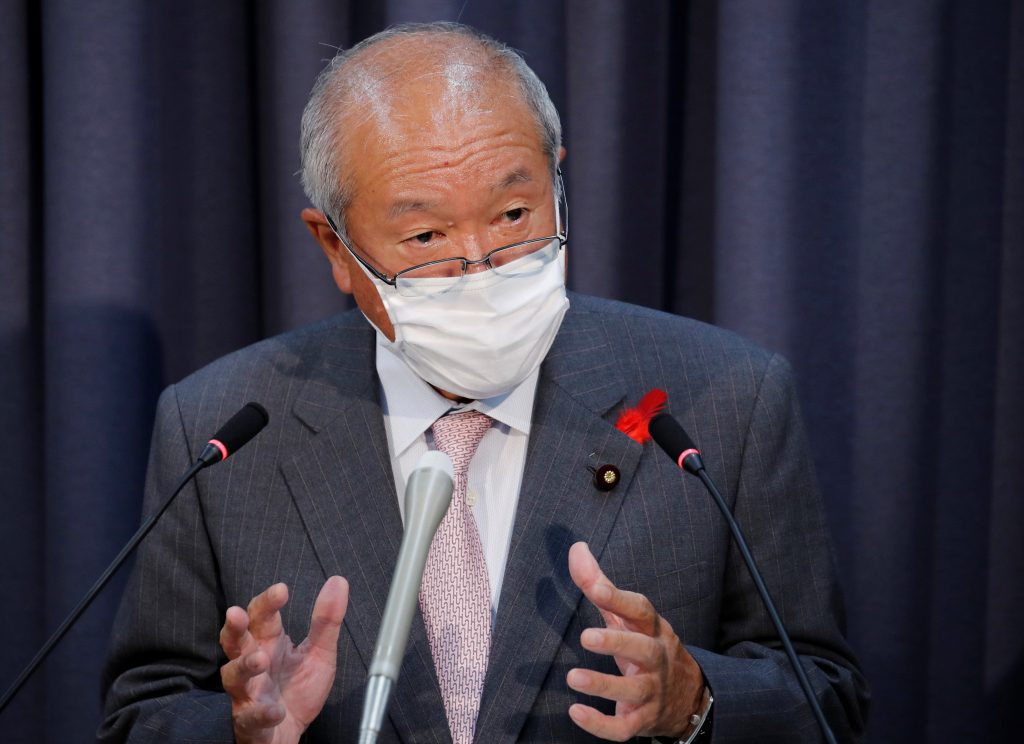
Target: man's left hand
x,y
660,685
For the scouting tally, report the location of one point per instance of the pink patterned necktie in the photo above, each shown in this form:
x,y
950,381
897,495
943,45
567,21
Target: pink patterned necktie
x,y
455,596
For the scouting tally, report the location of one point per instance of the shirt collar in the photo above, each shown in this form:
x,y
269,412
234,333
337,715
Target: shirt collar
x,y
412,406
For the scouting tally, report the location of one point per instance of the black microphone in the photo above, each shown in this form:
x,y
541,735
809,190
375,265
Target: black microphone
x,y
239,429
676,443
235,434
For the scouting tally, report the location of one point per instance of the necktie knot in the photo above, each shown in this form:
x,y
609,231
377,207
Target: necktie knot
x,y
459,434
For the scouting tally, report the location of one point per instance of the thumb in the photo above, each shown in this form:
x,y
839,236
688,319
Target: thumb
x,y
328,614
588,576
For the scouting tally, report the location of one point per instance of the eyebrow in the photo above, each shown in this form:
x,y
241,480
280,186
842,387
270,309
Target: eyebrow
x,y
404,206
519,175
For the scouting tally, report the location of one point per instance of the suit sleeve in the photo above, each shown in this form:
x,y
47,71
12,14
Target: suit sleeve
x,y
162,680
776,501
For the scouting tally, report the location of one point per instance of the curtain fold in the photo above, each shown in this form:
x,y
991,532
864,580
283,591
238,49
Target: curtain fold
x,y
21,484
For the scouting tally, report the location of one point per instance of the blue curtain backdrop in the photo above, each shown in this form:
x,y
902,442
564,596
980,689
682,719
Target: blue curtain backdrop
x,y
842,181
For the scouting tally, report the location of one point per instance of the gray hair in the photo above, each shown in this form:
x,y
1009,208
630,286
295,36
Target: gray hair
x,y
324,179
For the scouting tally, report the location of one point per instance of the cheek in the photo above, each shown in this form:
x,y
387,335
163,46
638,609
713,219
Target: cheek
x,y
369,302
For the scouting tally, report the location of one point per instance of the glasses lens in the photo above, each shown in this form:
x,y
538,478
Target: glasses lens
x,y
524,259
434,278
520,260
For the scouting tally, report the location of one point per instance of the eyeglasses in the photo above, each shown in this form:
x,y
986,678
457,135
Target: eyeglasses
x,y
441,275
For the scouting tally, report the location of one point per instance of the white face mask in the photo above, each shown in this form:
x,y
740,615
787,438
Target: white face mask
x,y
486,334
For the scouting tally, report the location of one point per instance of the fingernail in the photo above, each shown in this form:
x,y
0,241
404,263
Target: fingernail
x,y
592,638
602,592
577,714
578,678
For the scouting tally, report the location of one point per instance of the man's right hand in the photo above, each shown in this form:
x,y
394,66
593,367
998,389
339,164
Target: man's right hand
x,y
276,687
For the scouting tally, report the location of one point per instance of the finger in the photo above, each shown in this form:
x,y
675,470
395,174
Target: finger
x,y
265,612
588,576
328,614
235,675
612,728
642,650
634,610
635,690
235,638
619,608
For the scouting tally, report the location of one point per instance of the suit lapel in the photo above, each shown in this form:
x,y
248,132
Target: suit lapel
x,y
558,505
344,489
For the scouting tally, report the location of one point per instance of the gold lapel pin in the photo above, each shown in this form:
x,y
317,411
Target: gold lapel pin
x,y
606,477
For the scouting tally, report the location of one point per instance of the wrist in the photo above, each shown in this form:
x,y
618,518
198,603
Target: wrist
x,y
699,723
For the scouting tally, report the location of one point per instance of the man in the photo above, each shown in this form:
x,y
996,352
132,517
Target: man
x,y
420,145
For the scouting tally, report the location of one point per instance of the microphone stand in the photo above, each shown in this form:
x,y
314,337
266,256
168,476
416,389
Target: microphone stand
x,y
676,443
101,582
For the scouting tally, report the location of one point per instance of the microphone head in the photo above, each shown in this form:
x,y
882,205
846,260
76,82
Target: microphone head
x,y
428,491
676,443
436,460
238,430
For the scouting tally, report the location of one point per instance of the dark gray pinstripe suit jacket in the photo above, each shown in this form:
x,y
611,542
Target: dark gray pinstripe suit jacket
x,y
313,495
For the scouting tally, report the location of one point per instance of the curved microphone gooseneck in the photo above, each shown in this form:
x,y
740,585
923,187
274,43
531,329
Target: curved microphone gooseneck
x,y
239,429
676,443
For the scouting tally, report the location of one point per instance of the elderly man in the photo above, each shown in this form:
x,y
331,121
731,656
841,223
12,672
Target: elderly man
x,y
431,154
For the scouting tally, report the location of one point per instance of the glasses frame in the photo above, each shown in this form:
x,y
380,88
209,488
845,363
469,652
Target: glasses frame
x,y
563,238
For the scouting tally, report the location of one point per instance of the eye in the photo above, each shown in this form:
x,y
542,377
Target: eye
x,y
424,238
513,215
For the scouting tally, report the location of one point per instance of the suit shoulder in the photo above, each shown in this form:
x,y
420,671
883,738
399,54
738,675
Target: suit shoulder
x,y
644,334
715,379
272,371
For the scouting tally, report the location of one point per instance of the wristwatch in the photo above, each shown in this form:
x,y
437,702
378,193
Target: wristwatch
x,y
699,721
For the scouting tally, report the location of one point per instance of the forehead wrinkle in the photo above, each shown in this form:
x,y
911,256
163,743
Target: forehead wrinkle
x,y
401,163
402,206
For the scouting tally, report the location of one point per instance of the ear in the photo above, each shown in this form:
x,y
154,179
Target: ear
x,y
561,153
330,244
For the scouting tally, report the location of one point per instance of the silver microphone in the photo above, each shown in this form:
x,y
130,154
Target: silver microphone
x,y
427,496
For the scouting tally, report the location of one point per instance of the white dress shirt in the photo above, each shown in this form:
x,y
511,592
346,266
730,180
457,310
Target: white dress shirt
x,y
411,407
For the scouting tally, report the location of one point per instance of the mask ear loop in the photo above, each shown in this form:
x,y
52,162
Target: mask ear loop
x,y
561,200
558,214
